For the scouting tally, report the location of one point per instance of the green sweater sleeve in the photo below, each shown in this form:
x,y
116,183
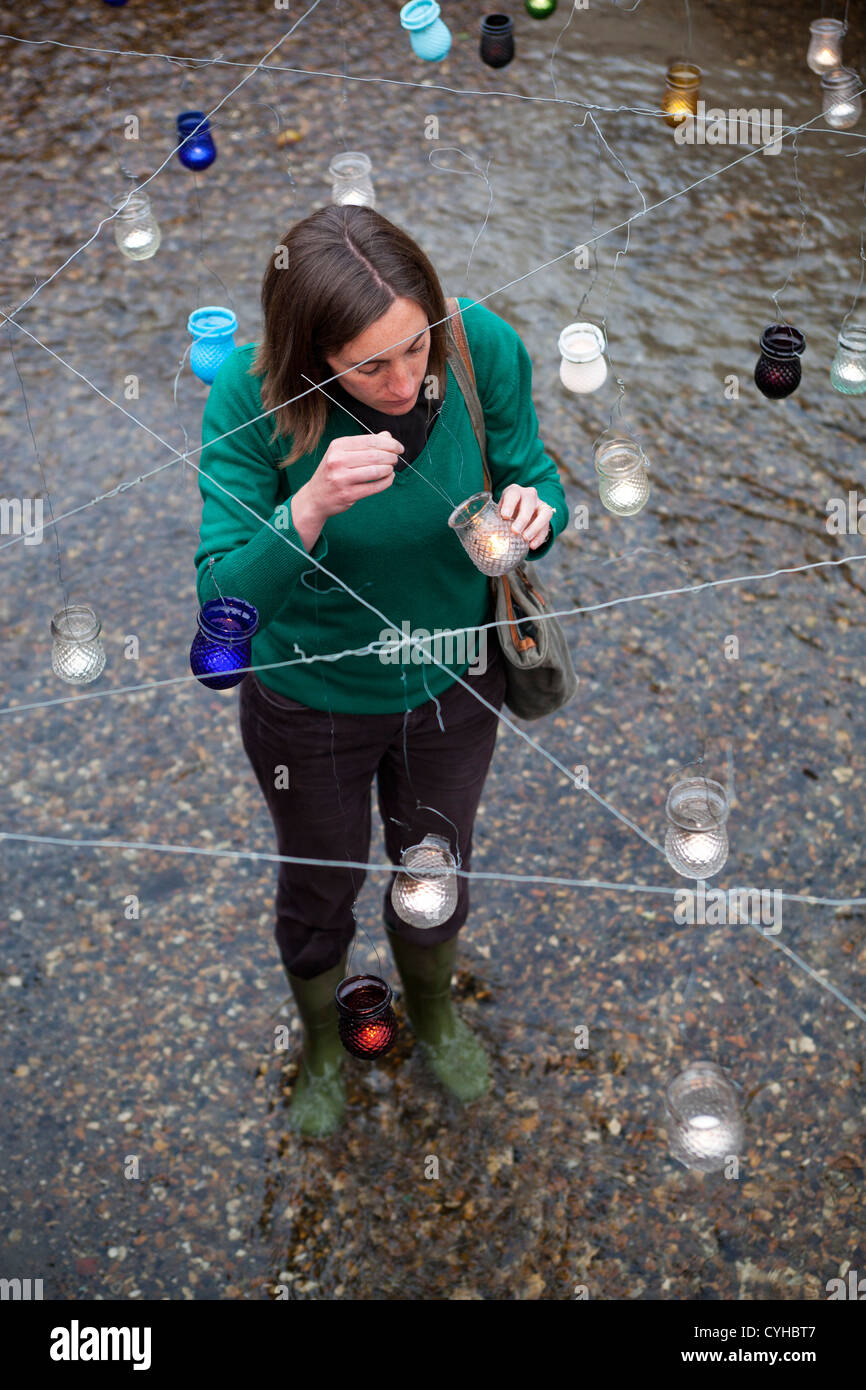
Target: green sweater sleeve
x,y
515,453
253,562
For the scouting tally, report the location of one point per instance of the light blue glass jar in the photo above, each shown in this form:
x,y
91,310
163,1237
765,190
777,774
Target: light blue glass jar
x,y
431,39
213,329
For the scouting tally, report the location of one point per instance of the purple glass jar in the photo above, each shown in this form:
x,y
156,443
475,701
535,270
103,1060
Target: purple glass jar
x,y
778,369
368,1025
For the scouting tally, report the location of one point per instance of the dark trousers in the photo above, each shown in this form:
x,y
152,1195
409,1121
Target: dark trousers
x,y
428,779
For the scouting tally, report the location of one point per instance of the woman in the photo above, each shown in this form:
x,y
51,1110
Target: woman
x,y
362,475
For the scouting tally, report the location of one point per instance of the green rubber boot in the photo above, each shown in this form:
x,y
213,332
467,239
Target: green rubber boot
x,y
448,1045
318,1097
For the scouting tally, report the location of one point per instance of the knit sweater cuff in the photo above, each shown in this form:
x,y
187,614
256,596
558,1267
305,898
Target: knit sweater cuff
x,y
267,569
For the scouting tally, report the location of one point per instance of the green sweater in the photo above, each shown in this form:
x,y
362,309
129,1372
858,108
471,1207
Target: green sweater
x,y
394,548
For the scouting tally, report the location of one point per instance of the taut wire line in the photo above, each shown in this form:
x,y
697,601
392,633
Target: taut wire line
x,y
254,69
465,873
178,455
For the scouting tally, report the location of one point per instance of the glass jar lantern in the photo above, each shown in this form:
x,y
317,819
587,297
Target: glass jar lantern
x,y
221,650
583,367
622,471
703,1119
367,1024
213,330
848,371
135,227
197,150
78,655
497,40
540,9
778,369
424,893
430,37
825,45
842,102
696,842
350,179
682,85
487,537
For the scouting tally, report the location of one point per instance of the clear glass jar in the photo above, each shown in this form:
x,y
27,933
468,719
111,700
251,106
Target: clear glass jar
x,y
703,1118
135,227
683,84
424,893
848,371
78,656
487,537
825,45
583,367
696,842
622,469
843,104
350,179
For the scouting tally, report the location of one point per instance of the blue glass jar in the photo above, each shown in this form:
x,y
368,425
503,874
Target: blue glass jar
x,y
431,39
497,40
213,329
222,647
198,150
115,2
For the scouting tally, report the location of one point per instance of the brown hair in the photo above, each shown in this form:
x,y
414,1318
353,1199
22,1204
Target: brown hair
x,y
344,267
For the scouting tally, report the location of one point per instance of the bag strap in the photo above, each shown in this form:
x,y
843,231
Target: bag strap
x,y
461,365
464,372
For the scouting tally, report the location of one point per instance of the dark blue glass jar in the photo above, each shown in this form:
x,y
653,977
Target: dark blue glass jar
x,y
222,647
497,40
115,2
198,150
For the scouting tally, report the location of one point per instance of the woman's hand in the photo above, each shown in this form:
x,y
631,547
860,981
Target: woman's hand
x,y
354,466
531,515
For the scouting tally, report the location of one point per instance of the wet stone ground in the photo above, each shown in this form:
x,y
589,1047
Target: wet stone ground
x,y
148,1045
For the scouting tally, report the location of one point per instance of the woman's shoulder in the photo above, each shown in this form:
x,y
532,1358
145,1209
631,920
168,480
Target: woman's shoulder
x,y
234,375
486,330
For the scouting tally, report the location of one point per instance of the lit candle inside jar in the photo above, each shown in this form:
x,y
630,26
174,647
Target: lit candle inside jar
x,y
373,1034
696,841
681,93
489,539
495,545
424,893
704,1121
423,897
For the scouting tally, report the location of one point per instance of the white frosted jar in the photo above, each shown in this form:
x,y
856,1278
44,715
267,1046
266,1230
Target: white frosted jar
x,y
583,367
